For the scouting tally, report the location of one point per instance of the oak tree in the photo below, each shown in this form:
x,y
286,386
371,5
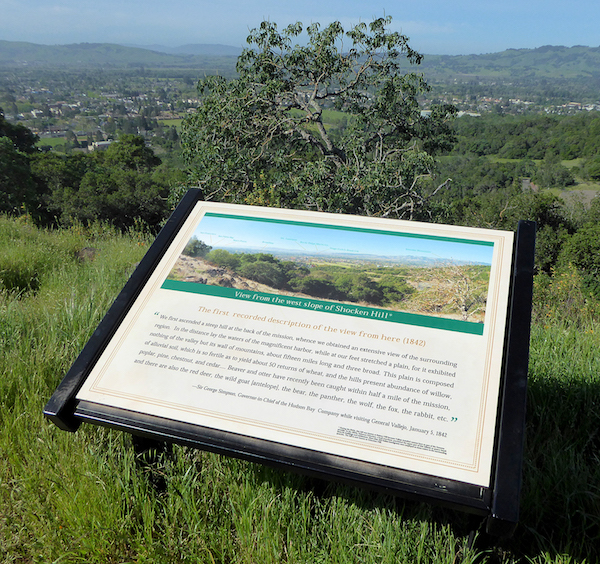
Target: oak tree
x,y
332,125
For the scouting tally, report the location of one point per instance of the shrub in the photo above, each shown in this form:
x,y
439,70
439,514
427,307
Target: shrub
x,y
263,272
223,258
196,248
583,251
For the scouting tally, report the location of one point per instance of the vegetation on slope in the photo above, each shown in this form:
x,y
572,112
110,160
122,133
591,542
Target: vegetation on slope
x,y
101,55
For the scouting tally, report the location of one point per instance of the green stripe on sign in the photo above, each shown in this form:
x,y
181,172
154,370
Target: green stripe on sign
x,y
327,307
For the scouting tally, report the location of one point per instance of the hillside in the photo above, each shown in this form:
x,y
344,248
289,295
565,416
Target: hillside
x,y
432,289
204,49
544,62
101,55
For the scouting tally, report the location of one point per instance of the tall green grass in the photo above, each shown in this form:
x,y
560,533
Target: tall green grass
x,y
87,497
561,503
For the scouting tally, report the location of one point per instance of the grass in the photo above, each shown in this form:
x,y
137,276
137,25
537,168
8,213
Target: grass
x,y
51,141
170,122
87,497
561,502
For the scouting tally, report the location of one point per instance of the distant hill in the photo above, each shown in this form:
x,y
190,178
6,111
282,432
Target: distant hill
x,y
215,50
544,62
108,55
78,55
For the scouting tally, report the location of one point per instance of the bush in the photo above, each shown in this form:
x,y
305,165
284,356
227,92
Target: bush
x,y
263,272
196,248
562,297
593,168
17,187
223,259
394,288
358,288
583,251
122,186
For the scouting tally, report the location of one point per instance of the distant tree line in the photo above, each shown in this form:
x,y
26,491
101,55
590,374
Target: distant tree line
x,y
124,185
549,138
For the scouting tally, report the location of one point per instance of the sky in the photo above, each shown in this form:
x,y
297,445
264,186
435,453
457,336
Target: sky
x,y
239,234
435,27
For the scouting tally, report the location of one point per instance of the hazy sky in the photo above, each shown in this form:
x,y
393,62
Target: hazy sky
x,y
223,233
434,26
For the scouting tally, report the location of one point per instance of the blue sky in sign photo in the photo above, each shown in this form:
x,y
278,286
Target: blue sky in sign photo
x,y
268,236
434,26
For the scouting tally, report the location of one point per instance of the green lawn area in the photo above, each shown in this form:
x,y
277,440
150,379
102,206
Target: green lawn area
x,y
171,122
51,141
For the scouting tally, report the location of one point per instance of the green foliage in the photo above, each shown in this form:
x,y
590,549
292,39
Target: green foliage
x,y
592,214
262,139
553,175
529,137
196,248
562,296
55,171
582,250
317,287
593,168
476,176
500,210
223,259
356,287
118,185
265,272
394,288
131,153
124,185
551,217
18,191
23,139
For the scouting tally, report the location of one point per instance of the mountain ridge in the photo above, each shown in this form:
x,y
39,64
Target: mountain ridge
x,y
547,61
216,49
94,55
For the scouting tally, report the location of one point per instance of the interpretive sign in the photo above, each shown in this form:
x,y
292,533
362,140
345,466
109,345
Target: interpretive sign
x,y
371,350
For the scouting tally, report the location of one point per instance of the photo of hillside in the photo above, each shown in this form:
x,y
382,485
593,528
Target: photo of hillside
x,y
438,277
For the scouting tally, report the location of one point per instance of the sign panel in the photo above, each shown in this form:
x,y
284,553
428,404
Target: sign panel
x,y
378,341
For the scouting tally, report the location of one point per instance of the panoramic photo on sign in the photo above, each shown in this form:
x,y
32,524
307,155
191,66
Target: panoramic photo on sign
x,y
372,339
